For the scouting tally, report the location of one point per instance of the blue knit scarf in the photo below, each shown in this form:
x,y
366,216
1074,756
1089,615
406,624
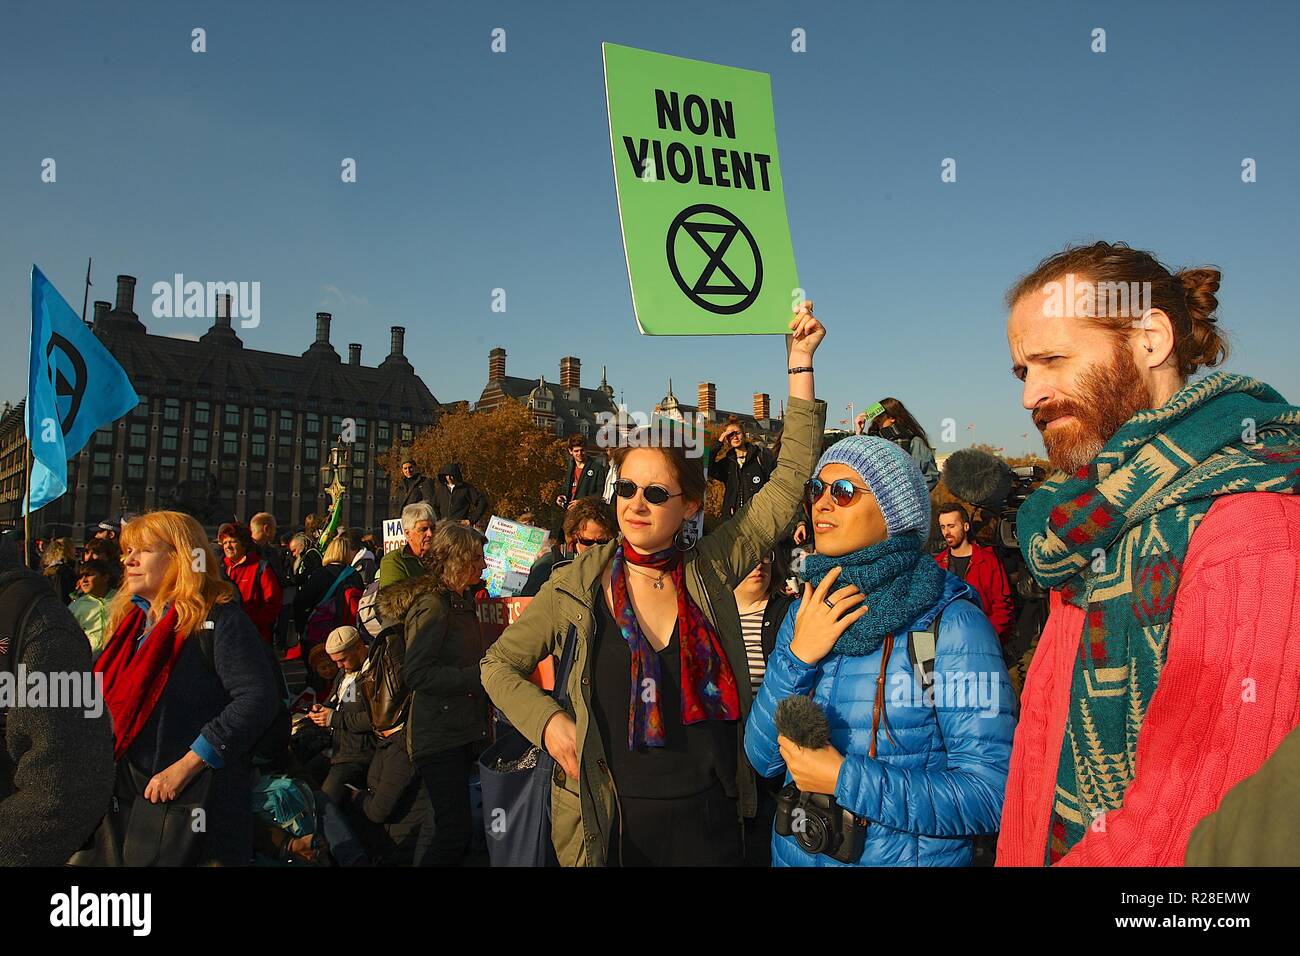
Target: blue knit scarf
x,y
899,579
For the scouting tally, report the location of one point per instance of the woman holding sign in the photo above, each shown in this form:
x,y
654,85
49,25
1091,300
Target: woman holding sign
x,y
650,762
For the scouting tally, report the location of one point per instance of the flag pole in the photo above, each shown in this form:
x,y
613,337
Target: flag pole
x,y
85,296
27,504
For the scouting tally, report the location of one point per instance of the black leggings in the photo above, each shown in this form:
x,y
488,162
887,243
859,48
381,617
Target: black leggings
x,y
445,836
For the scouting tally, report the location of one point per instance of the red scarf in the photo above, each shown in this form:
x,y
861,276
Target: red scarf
x,y
708,683
135,679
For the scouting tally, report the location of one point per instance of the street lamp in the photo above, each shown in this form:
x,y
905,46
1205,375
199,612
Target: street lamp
x,y
336,473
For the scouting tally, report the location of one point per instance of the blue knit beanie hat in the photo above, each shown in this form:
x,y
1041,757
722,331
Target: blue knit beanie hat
x,y
893,477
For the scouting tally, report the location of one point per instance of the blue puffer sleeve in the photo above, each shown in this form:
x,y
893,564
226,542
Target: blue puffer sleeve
x,y
975,711
786,677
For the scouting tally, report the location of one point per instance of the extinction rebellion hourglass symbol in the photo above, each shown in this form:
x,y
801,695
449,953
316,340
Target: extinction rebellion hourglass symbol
x,y
732,273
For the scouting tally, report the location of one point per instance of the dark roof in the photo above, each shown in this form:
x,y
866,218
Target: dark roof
x,y
591,401
223,364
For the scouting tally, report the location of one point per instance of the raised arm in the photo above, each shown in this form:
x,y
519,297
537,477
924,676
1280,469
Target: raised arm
x,y
740,542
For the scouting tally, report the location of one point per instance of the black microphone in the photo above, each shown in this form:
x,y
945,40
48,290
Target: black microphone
x,y
978,478
804,722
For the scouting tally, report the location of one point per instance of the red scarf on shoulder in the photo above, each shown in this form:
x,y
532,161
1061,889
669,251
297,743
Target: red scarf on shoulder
x,y
134,678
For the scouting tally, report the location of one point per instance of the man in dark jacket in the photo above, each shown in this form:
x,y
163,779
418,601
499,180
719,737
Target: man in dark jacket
x,y
583,476
56,762
414,486
977,566
741,466
346,715
456,499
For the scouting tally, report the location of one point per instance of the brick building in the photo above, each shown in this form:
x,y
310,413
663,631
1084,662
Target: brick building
x,y
225,430
562,409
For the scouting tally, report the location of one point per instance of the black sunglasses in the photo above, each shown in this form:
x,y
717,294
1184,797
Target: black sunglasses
x,y
842,490
654,494
590,542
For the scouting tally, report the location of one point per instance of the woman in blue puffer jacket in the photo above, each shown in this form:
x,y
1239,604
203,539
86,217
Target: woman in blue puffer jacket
x,y
924,769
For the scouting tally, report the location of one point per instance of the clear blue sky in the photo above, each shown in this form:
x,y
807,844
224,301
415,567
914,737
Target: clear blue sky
x,y
479,170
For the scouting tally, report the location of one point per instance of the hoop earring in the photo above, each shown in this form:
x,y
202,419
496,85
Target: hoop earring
x,y
684,539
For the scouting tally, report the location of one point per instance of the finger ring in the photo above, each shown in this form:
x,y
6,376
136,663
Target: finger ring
x,y
829,603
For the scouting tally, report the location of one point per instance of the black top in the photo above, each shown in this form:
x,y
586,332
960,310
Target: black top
x,y
959,566
693,757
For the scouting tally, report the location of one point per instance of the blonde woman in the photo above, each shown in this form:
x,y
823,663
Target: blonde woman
x,y
185,705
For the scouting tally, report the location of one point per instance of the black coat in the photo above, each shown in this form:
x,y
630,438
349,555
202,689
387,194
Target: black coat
x,y
741,483
231,709
590,483
413,489
350,729
441,670
462,503
389,813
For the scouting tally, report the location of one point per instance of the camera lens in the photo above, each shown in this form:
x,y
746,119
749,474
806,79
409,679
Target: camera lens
x,y
813,836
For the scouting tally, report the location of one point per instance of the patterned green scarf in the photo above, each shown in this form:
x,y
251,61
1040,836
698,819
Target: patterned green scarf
x,y
1113,537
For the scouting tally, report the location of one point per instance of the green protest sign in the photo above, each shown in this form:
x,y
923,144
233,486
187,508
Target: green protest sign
x,y
699,195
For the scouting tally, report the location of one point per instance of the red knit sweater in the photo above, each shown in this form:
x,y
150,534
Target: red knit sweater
x,y
1229,692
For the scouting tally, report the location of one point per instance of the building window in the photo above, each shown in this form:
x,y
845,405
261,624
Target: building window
x,y
406,434
312,424
359,457
103,465
286,424
135,467
170,438
381,436
259,417
258,443
284,452
233,416
202,413
200,444
172,410
141,410
104,437
311,452
167,469
139,439
230,444
198,469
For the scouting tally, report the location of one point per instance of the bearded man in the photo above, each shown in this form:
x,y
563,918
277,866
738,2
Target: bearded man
x,y
1170,537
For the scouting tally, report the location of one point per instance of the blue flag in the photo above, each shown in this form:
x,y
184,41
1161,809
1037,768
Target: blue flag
x,y
74,387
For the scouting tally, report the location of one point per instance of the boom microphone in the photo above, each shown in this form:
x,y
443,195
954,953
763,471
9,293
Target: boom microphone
x,y
803,722
978,478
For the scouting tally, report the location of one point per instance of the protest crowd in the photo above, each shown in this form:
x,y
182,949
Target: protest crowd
x,y
1093,664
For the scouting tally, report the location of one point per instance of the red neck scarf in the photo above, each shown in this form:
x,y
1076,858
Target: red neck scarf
x,y
135,679
708,683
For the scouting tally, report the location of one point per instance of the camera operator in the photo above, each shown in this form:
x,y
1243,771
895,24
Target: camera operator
x,y
1171,536
902,780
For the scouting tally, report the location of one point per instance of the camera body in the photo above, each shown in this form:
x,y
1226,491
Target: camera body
x,y
819,824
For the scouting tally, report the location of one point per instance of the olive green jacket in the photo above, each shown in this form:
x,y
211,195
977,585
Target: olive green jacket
x,y
582,810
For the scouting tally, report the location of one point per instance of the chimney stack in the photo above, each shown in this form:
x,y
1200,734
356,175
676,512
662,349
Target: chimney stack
x,y
101,310
708,398
223,310
126,294
570,372
762,406
354,353
323,327
398,340
496,364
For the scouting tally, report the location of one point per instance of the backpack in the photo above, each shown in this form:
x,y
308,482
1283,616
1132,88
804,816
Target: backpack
x,y
330,611
271,747
382,681
368,619
19,593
